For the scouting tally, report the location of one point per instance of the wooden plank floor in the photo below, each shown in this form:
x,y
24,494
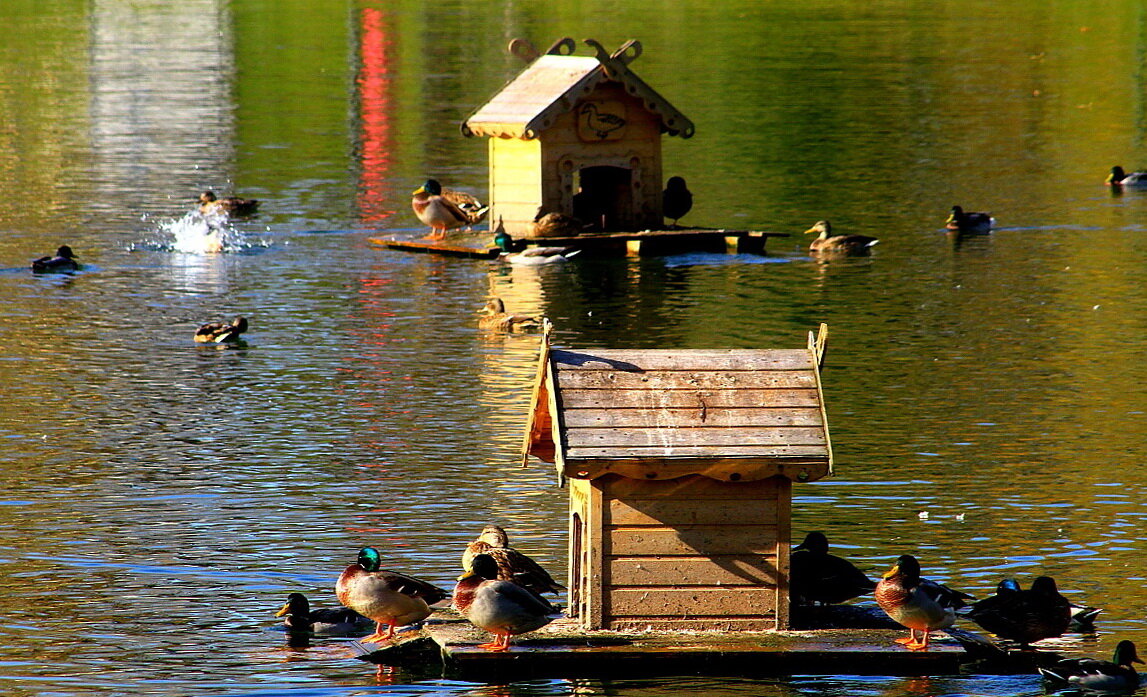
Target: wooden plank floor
x,y
564,650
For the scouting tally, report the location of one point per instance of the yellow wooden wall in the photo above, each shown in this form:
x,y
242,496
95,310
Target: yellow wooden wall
x,y
687,553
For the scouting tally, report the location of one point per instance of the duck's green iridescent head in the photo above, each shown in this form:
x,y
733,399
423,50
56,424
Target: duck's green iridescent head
x,y
369,559
431,187
504,241
1125,654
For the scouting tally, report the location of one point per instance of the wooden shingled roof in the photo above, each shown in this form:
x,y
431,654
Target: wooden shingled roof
x,y
554,83
730,414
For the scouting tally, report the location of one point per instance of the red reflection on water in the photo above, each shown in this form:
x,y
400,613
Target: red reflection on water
x,y
374,117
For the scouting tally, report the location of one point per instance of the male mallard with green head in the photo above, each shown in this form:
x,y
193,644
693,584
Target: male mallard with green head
x,y
502,608
969,223
512,565
231,206
221,332
388,598
839,245
916,603
63,262
1119,178
1093,675
445,209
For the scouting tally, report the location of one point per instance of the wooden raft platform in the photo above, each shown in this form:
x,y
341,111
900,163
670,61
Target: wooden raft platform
x,y
562,649
610,244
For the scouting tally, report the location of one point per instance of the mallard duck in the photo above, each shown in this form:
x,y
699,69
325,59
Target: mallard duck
x,y
919,605
1083,618
676,200
556,225
815,576
299,617
494,316
502,608
63,262
221,332
231,206
445,209
840,245
387,597
512,564
969,223
1094,675
1024,616
1120,178
516,251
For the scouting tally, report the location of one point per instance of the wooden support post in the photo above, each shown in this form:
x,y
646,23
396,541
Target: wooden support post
x,y
633,248
733,244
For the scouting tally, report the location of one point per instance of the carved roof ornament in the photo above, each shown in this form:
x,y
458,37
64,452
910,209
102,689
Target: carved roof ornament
x,y
555,81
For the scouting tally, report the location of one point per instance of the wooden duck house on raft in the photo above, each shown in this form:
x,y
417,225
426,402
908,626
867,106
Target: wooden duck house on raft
x,y
577,135
680,467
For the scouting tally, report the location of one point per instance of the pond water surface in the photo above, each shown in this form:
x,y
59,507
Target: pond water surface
x,y
161,499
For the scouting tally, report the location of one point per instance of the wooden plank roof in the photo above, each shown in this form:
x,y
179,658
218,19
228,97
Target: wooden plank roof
x,y
732,414
553,84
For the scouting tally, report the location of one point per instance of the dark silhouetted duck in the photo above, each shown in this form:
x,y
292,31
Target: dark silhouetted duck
x,y
445,209
231,206
838,245
221,332
916,603
819,577
502,608
299,617
512,565
1094,675
495,317
388,598
1120,178
63,262
1024,616
969,223
676,200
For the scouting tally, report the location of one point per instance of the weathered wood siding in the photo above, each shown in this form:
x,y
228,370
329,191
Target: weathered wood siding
x,y
688,553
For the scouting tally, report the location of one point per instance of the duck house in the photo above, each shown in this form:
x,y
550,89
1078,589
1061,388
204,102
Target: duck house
x,y
680,466
579,136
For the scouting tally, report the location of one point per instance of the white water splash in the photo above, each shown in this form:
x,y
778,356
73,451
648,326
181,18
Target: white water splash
x,y
196,233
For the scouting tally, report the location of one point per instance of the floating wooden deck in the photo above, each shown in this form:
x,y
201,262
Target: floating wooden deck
x,y
609,244
563,649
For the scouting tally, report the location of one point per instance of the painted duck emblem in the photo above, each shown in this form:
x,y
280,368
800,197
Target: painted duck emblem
x,y
598,122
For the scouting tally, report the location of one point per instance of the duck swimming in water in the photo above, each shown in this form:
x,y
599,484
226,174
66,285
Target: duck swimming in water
x,y
63,262
1094,675
969,223
221,332
299,617
828,243
495,317
1119,178
231,206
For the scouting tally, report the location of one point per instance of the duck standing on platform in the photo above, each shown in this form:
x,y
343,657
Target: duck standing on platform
x,y
63,262
1119,178
387,597
1096,676
676,200
1024,616
221,332
445,209
828,243
502,608
231,206
916,603
512,565
815,576
298,617
969,223
495,317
